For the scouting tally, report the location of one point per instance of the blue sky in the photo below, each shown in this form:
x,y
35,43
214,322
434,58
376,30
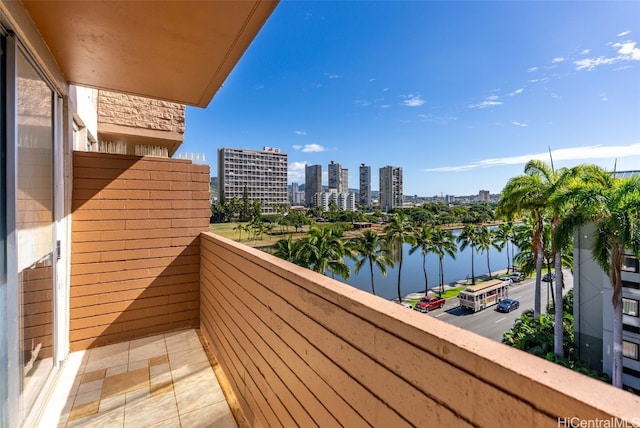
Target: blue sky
x,y
459,94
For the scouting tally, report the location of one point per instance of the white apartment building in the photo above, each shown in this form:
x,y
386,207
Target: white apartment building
x,y
390,187
262,174
344,201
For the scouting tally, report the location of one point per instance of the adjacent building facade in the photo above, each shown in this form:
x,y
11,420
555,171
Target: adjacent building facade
x,y
259,174
593,311
312,184
390,187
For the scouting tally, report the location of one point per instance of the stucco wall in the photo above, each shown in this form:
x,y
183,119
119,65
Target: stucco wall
x,y
135,250
299,348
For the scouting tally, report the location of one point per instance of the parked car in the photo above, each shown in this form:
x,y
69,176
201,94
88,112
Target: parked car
x,y
516,277
506,279
406,305
428,303
507,305
547,278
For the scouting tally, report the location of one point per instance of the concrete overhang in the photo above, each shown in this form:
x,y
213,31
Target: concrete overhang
x,y
180,51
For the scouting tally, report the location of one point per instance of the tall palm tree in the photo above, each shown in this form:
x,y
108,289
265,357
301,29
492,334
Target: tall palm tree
x,y
485,242
504,237
397,232
531,193
443,244
613,206
424,242
469,238
372,248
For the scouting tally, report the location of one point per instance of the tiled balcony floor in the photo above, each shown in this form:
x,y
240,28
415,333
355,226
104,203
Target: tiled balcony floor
x,y
160,381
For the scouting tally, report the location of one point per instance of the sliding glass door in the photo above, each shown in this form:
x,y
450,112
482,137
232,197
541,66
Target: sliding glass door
x,y
28,254
36,249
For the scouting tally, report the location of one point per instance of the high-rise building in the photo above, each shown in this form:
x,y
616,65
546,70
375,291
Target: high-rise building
x,y
365,185
297,197
390,187
335,176
483,196
261,175
312,183
344,181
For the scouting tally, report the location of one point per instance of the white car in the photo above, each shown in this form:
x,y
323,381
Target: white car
x,y
506,279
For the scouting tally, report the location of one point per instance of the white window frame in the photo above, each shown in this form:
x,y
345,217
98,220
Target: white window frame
x,y
630,350
627,305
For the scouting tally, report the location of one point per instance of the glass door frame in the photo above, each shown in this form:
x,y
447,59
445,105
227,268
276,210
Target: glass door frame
x,y
17,415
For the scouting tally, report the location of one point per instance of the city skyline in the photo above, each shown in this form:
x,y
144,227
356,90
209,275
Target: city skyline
x,y
459,94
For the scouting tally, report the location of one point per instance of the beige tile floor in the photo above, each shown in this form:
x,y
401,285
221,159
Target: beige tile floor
x,y
160,381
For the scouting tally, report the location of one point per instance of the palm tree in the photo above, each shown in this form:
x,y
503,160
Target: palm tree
x,y
371,247
443,244
469,238
485,242
530,193
397,232
423,241
504,237
323,249
240,228
613,206
289,250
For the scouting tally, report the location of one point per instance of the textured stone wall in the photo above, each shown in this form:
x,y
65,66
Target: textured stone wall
x,y
138,112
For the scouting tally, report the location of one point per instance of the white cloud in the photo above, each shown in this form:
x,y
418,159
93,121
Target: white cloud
x,y
624,33
385,106
557,60
295,172
332,76
516,92
603,96
300,132
490,101
373,79
571,154
413,100
532,69
585,52
297,147
523,125
311,148
626,51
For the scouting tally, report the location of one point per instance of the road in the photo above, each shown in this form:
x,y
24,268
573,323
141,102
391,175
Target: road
x,y
490,323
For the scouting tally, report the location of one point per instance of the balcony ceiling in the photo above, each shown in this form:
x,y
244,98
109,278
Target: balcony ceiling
x,y
180,51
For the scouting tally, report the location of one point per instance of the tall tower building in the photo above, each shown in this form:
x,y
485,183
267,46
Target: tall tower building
x,y
262,174
390,187
335,176
483,196
312,183
344,181
365,185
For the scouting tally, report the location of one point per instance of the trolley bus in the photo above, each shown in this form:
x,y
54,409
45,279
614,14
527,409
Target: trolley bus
x,y
489,293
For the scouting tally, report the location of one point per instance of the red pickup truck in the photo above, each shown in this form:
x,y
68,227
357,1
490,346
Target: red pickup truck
x,y
428,303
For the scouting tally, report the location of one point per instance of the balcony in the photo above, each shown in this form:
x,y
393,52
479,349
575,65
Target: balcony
x,y
290,347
